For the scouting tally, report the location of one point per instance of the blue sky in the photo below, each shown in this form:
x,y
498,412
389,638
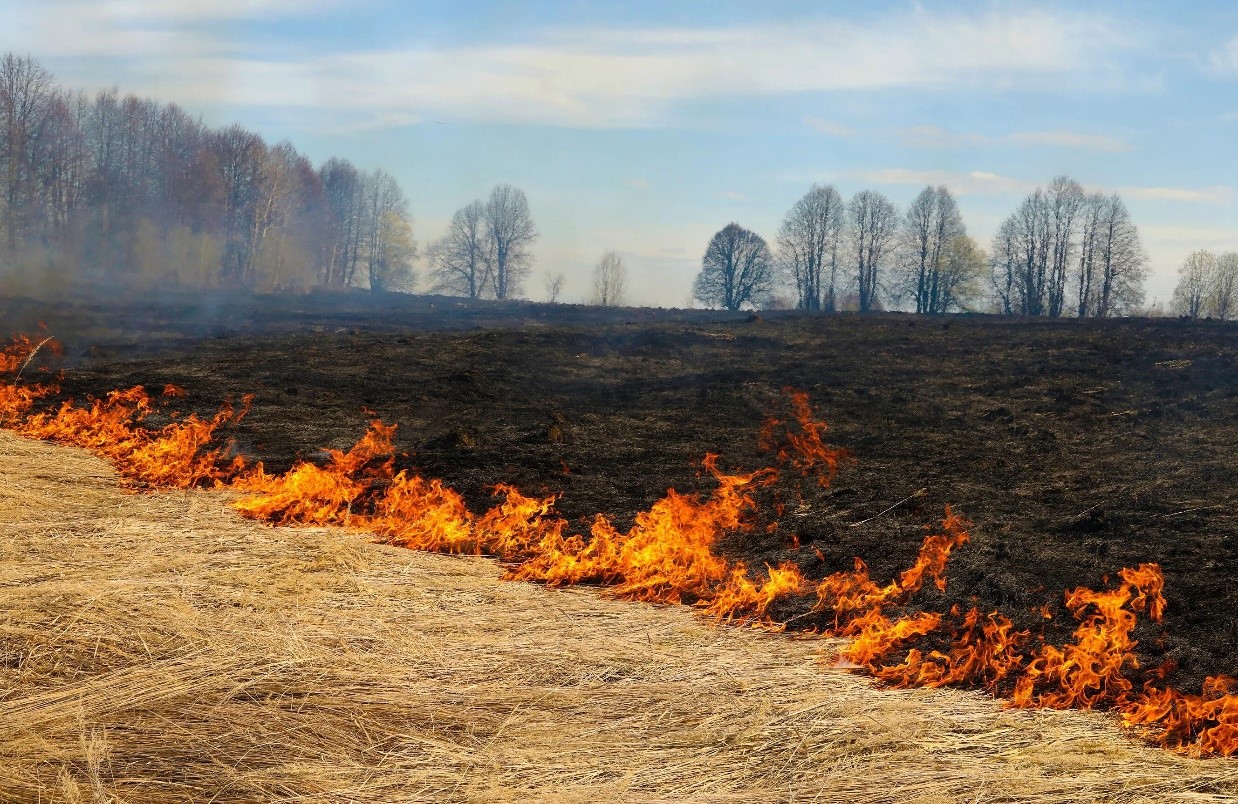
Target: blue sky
x,y
646,126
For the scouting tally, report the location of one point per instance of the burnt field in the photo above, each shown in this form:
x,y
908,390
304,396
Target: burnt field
x,y
1075,448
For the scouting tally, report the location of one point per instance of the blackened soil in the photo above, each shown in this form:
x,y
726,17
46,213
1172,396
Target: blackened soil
x,y
1076,448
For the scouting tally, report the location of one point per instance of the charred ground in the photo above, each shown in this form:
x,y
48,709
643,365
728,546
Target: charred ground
x,y
1076,448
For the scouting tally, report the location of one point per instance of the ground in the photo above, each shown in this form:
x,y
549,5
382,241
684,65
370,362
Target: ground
x,y
1075,448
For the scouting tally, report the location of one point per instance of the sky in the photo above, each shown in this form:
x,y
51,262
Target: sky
x,y
645,127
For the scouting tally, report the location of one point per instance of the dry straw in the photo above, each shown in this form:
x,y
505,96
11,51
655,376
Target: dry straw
x,y
158,648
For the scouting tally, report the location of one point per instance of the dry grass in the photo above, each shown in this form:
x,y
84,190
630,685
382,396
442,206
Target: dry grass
x,y
158,648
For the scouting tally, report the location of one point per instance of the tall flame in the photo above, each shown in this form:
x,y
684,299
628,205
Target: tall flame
x,y
668,555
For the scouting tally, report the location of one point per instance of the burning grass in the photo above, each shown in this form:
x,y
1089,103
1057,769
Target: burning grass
x,y
157,648
668,556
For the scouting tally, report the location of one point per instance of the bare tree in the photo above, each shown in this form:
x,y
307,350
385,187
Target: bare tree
x,y
388,244
1119,257
932,222
610,281
1090,224
461,261
962,265
1004,267
808,244
737,269
511,233
341,183
1223,300
873,225
26,100
554,286
1065,200
1195,280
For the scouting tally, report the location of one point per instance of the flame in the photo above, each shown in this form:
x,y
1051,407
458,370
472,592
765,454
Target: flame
x,y
669,555
797,440
16,400
173,456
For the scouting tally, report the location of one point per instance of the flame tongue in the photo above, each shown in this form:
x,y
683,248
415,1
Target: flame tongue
x,y
668,555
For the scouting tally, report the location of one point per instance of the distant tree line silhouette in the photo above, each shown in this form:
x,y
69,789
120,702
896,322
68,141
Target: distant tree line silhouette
x,y
1062,252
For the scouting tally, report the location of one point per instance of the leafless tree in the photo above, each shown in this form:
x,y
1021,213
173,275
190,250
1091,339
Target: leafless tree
x,y
511,233
932,222
1004,265
388,243
808,246
554,286
872,223
1065,200
462,260
1117,254
27,94
1223,300
341,184
610,281
737,269
1195,280
962,265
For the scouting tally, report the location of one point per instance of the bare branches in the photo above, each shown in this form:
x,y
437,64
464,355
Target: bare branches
x,y
808,246
873,224
737,269
1207,285
610,281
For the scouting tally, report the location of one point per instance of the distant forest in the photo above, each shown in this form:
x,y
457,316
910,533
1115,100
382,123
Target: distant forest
x,y
124,191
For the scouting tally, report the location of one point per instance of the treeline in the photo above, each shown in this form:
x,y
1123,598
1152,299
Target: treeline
x,y
126,190
1062,252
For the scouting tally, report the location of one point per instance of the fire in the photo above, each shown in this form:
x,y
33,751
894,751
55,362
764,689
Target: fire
x,y
804,451
173,456
318,495
16,399
668,555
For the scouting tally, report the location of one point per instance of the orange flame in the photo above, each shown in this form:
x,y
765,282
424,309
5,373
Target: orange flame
x,y
797,441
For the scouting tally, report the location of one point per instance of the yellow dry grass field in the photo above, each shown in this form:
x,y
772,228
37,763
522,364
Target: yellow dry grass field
x,y
159,648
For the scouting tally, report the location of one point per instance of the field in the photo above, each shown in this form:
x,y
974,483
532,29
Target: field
x,y
157,648
1075,448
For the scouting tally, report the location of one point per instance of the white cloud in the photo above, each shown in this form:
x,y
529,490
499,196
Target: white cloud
x,y
159,33
827,127
1192,236
638,184
579,77
1216,194
731,195
934,137
975,182
1224,60
1072,139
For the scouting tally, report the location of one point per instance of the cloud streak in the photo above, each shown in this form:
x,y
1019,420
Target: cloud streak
x,y
936,138
1224,60
974,182
829,128
584,77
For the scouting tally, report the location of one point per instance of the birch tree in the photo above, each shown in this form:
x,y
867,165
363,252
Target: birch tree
x,y
808,246
932,222
872,223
